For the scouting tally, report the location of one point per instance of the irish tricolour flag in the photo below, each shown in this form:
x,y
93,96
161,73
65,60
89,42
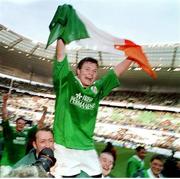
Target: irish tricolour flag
x,y
71,26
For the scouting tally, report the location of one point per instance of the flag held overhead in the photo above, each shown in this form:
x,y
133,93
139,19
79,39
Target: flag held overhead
x,y
66,25
70,25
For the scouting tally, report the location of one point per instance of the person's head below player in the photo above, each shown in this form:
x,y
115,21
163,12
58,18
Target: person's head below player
x,y
157,164
87,71
107,159
43,139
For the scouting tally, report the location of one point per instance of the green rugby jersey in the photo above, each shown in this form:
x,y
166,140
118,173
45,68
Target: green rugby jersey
x,y
135,167
15,143
76,107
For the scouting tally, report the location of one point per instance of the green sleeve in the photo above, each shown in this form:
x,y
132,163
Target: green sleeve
x,y
33,129
60,71
132,168
7,129
107,83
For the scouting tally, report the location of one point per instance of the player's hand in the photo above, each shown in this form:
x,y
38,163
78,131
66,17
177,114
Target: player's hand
x,y
5,97
45,108
132,59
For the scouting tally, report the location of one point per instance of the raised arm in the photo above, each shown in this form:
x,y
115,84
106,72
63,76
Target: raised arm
x,y
120,68
4,107
41,121
60,50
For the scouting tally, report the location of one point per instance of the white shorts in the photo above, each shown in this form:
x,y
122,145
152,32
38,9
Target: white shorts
x,y
71,161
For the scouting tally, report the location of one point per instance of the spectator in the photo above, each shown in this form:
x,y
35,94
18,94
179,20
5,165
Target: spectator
x,y
43,138
107,159
156,167
77,101
135,165
15,139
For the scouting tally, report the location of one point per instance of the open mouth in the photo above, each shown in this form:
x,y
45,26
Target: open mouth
x,y
105,168
88,79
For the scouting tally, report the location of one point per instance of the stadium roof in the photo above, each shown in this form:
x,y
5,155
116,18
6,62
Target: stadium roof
x,y
22,57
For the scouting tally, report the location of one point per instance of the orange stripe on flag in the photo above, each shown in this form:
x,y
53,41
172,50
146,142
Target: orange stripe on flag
x,y
135,51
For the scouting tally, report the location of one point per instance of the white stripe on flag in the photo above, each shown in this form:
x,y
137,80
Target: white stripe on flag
x,y
99,40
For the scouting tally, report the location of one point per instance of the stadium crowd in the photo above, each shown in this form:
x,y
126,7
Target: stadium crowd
x,y
111,122
161,99
30,106
126,97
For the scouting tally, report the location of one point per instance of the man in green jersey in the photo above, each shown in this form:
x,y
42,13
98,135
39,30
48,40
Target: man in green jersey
x,y
76,107
135,166
15,139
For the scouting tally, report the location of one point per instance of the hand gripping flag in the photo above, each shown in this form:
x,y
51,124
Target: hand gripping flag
x,y
66,25
71,26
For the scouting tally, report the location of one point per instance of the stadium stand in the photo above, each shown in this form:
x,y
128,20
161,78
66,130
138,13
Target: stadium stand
x,y
141,111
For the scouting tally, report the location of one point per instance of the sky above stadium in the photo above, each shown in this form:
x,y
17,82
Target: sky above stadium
x,y
142,21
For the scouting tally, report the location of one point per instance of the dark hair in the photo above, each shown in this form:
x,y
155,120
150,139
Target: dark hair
x,y
87,59
139,148
158,157
47,129
21,118
111,150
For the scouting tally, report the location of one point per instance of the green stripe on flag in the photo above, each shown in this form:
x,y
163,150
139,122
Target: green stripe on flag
x,y
66,25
